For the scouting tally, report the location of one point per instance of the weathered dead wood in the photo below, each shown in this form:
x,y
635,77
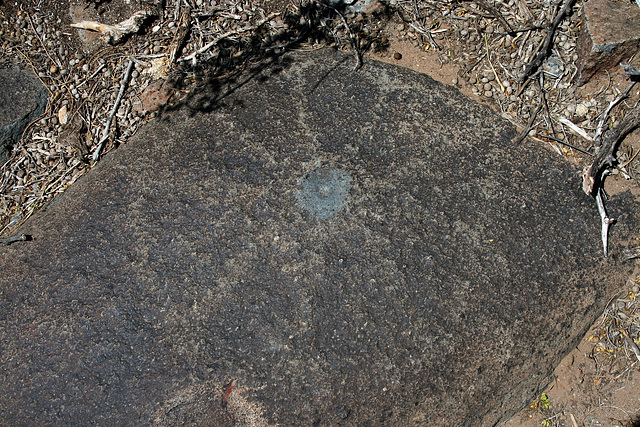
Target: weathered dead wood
x,y
193,56
184,28
496,14
545,49
114,34
116,105
611,139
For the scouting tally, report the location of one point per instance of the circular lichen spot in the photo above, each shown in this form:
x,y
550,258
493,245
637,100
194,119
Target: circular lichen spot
x,y
324,191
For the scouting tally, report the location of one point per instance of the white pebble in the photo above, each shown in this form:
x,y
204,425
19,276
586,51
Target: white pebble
x,y
582,110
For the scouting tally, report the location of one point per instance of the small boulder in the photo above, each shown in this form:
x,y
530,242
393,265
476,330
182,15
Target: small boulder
x,y
22,100
610,34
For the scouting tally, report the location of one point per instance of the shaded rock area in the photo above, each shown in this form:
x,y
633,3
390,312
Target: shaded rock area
x,y
305,245
22,100
610,35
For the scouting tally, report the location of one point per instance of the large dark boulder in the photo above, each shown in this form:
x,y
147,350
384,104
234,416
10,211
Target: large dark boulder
x,y
346,247
22,100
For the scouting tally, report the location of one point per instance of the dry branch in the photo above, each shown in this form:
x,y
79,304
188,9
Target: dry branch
x,y
114,34
605,156
203,49
184,26
545,48
116,104
17,238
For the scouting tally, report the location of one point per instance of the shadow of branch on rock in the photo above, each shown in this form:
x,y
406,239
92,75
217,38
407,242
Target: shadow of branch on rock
x,y
314,23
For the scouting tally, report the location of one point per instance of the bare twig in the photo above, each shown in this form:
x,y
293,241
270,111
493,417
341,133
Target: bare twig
x,y
605,156
631,344
495,13
529,127
17,238
559,141
545,48
114,34
184,25
192,57
631,253
116,105
423,30
605,220
486,45
575,128
44,47
605,114
352,40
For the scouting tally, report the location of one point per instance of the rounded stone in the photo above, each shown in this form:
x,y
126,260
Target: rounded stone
x,y
196,254
22,100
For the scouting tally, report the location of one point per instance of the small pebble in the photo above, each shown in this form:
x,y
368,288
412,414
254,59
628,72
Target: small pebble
x,y
53,69
397,56
488,94
582,110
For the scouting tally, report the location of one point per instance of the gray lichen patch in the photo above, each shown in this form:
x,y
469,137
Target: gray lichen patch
x,y
324,191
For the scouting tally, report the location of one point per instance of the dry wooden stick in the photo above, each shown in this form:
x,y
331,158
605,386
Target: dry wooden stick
x,y
605,220
545,48
631,253
184,25
605,156
486,44
203,49
123,88
423,30
605,115
575,128
543,102
114,34
495,13
33,27
593,175
352,40
12,239
532,120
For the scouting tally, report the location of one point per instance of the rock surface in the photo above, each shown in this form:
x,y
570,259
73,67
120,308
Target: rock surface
x,y
610,34
22,100
305,245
